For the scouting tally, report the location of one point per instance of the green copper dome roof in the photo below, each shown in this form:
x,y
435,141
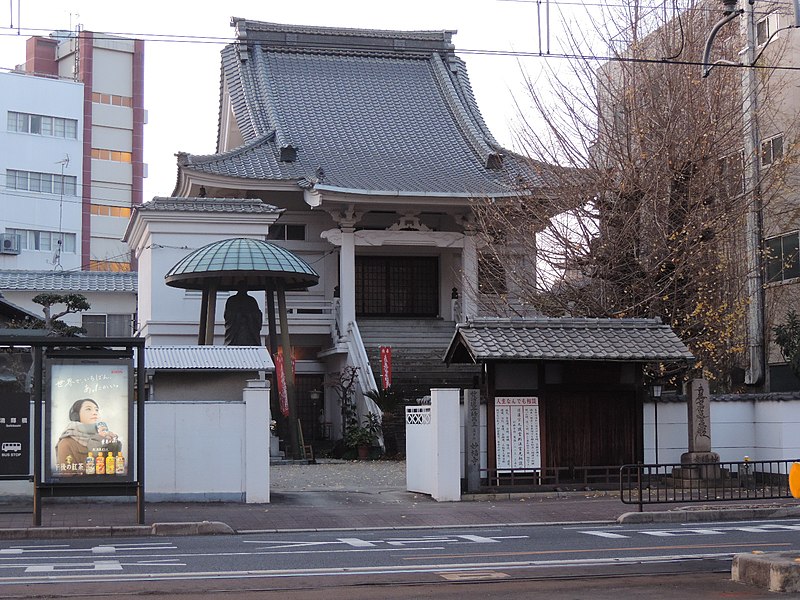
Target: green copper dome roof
x,y
233,263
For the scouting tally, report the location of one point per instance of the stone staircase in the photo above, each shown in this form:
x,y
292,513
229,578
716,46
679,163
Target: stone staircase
x,y
418,347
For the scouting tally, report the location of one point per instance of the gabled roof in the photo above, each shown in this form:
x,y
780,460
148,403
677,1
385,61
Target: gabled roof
x,y
356,110
12,311
68,281
578,339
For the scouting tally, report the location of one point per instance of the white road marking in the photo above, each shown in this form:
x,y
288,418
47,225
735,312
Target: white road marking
x,y
605,534
365,570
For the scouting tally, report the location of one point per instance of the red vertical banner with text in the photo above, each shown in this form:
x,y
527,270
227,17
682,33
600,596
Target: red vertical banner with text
x,y
280,374
386,367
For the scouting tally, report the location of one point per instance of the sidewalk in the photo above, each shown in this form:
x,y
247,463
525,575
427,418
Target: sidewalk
x,y
354,495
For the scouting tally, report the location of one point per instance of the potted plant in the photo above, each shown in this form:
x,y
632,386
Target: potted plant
x,y
360,438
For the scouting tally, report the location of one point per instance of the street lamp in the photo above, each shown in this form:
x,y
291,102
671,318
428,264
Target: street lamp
x,y
655,391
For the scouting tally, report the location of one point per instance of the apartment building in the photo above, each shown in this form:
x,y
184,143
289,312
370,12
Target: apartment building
x,y
71,158
74,135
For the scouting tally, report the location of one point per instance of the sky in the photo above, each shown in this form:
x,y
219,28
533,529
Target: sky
x,y
183,41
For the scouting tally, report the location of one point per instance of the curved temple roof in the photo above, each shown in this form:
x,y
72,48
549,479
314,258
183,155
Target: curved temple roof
x,y
229,264
355,110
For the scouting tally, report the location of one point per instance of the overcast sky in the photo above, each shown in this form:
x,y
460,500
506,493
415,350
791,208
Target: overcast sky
x,y
182,77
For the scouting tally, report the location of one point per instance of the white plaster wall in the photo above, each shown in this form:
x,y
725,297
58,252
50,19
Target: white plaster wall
x,y
762,430
195,450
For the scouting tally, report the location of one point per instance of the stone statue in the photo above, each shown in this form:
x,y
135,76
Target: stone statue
x,y
243,320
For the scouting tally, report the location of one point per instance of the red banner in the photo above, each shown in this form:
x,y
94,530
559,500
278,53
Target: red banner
x,y
386,367
280,375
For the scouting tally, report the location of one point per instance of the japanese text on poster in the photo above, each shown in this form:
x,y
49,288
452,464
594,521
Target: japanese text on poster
x,y
516,423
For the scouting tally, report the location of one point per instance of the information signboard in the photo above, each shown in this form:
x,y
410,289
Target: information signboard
x,y
516,425
15,434
88,421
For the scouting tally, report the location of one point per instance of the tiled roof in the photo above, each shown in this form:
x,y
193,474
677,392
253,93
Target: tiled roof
x,y
376,111
227,205
637,340
68,281
190,358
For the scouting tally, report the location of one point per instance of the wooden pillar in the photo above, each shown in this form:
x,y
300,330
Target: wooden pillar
x,y
272,330
201,333
211,314
287,370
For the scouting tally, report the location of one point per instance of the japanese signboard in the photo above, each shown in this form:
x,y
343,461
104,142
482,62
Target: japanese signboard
x,y
88,421
283,392
386,367
15,430
516,425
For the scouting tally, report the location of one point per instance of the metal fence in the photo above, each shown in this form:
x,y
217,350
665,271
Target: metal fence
x,y
709,482
548,478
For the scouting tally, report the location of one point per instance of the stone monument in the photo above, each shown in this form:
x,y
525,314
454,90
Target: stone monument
x,y
699,463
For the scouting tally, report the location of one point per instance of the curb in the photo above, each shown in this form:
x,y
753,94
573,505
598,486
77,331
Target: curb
x,y
774,571
705,516
156,529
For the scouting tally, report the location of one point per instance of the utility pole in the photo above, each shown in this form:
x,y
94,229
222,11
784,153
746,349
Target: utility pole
x,y
752,157
752,178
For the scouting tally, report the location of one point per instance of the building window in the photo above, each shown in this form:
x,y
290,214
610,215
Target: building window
x,y
782,257
289,233
107,325
771,150
765,28
42,125
115,155
104,210
44,240
46,183
112,99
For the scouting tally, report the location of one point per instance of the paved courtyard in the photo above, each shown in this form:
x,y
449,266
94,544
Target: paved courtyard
x,y
339,475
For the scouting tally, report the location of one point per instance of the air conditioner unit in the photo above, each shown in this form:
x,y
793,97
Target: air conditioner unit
x,y
9,243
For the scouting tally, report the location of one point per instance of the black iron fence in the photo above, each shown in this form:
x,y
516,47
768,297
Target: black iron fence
x,y
708,482
549,478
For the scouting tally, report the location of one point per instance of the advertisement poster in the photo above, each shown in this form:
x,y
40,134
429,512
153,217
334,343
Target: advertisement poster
x,y
516,423
88,421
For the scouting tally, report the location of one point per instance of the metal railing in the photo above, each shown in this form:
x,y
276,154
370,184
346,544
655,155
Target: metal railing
x,y
708,482
548,478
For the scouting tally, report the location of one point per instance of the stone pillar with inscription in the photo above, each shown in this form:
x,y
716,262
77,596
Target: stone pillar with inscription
x,y
699,463
472,402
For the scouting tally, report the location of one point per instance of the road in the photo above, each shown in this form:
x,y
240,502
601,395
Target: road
x,y
502,562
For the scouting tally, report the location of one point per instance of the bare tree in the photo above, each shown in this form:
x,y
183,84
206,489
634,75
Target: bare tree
x,y
647,187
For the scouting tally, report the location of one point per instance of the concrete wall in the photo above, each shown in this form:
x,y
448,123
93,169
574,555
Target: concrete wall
x,y
762,430
209,450
432,446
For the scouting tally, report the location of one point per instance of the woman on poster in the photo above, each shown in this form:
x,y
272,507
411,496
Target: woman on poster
x,y
85,433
